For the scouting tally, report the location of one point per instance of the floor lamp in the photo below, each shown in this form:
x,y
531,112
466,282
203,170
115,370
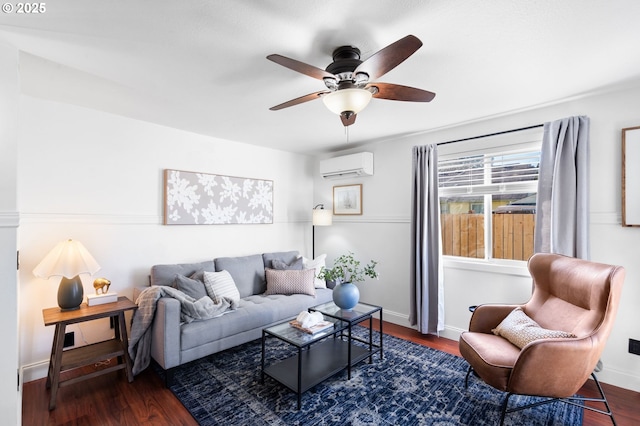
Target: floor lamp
x,y
321,217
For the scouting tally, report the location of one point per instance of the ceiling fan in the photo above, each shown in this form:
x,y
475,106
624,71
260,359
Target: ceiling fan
x,y
350,81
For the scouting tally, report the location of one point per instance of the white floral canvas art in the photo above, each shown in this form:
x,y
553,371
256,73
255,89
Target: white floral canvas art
x,y
192,198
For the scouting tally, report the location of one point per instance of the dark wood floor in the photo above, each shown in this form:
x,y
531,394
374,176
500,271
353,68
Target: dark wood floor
x,y
110,400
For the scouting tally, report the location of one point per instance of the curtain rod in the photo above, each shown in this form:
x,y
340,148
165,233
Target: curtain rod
x,y
491,134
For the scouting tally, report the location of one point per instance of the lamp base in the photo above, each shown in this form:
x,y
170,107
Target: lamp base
x,y
70,293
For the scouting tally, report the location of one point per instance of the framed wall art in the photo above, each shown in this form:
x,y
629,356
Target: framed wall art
x,y
192,198
347,199
631,176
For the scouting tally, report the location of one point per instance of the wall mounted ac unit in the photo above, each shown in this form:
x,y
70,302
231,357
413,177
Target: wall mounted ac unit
x,y
346,166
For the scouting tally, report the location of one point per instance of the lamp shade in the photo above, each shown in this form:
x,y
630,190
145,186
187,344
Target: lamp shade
x,y
67,259
354,100
321,217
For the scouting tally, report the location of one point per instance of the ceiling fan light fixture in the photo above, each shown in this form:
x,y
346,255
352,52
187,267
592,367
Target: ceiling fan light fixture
x,y
354,100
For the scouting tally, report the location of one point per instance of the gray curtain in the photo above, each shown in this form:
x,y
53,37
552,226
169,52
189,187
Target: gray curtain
x,y
562,212
427,301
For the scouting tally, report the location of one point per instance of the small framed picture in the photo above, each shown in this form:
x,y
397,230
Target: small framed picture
x,y
347,200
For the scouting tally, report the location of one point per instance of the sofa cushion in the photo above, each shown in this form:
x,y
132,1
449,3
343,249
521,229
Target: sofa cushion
x,y
288,257
253,314
166,274
247,273
219,285
190,287
521,330
282,265
290,281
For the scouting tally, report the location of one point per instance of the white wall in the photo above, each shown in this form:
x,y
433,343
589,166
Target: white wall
x,y
97,178
382,232
10,409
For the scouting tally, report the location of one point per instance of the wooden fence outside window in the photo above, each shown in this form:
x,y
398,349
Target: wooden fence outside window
x,y
463,235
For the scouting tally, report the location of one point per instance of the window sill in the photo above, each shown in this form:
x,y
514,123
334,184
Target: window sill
x,y
513,267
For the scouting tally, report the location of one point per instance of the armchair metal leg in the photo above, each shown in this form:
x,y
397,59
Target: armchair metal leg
x,y
466,379
577,401
504,411
602,399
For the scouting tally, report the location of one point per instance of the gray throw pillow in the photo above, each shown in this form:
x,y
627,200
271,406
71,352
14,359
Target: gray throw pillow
x,y
285,256
190,287
166,274
280,264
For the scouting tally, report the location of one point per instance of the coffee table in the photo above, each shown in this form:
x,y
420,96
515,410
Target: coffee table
x,y
361,312
319,356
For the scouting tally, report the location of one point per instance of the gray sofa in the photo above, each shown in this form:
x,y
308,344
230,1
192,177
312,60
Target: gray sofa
x,y
174,343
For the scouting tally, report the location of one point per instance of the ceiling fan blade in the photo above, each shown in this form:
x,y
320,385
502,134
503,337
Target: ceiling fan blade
x,y
300,100
347,118
396,92
389,57
301,67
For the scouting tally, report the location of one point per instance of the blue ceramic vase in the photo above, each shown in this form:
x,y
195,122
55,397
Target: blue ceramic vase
x,y
346,296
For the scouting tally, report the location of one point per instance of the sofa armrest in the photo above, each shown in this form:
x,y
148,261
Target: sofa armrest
x,y
487,317
165,339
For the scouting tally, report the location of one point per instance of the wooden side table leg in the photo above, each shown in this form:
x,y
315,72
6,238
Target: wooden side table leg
x,y
125,346
56,357
52,357
115,322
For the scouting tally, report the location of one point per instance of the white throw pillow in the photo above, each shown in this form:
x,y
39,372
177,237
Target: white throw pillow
x,y
316,264
219,285
521,330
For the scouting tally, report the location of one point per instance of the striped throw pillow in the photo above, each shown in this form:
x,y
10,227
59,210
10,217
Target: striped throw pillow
x,y
219,285
290,281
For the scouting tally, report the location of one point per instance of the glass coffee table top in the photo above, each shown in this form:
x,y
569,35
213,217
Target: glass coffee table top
x,y
361,310
299,338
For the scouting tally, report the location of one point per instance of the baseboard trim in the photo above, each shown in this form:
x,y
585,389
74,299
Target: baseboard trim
x,y
34,371
619,378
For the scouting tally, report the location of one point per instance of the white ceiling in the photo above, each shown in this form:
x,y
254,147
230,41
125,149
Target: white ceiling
x,y
200,65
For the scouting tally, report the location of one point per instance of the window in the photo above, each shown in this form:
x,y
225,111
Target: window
x,y
488,199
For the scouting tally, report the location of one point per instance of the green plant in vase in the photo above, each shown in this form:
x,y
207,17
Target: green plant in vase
x,y
346,271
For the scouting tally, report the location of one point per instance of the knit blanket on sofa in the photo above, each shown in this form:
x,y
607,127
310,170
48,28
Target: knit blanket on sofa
x,y
190,310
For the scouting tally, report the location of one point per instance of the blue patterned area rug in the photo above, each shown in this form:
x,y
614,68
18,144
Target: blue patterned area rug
x,y
412,385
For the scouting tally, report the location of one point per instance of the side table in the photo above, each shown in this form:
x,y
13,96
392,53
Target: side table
x,y
63,360
361,312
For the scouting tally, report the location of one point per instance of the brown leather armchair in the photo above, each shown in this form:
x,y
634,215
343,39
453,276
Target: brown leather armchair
x,y
570,295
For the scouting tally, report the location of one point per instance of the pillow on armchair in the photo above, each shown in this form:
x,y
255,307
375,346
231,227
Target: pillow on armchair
x,y
521,330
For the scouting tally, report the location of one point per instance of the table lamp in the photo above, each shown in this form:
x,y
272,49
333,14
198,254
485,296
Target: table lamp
x,y
68,260
321,217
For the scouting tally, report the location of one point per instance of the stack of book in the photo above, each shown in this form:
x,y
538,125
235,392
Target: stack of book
x,y
321,326
100,299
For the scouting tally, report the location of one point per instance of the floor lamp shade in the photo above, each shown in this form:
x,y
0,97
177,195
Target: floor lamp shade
x,y
322,217
68,259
